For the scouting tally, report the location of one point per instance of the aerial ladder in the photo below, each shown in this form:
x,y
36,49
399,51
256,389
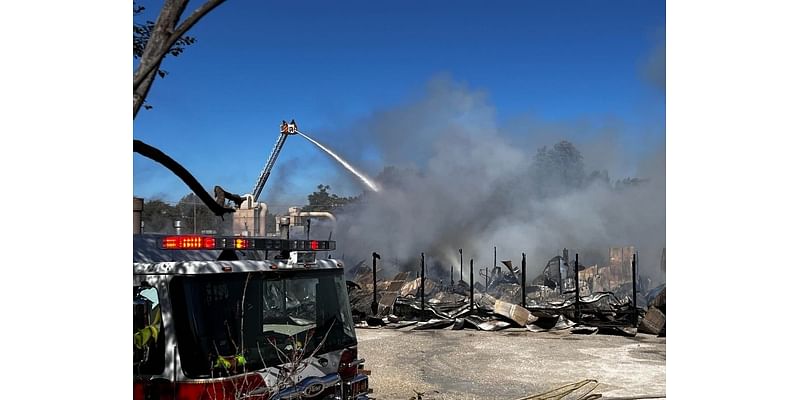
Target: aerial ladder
x,y
250,215
286,130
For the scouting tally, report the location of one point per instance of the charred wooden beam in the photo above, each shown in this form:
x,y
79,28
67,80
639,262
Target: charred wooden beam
x,y
375,257
471,287
577,293
422,283
524,298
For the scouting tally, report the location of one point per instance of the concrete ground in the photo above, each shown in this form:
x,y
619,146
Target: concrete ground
x,y
509,364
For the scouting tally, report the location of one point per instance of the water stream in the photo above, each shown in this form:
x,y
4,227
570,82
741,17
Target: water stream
x,y
344,163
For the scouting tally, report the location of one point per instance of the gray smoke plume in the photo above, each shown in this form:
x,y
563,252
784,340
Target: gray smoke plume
x,y
458,180
654,66
280,179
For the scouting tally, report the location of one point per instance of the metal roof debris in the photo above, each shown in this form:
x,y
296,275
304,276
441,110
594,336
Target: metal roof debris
x,y
605,303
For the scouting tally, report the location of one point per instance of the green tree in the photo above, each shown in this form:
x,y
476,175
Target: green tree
x,y
197,217
158,216
628,183
559,169
599,177
322,200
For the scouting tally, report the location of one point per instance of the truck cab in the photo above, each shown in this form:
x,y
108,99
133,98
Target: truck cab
x,y
242,318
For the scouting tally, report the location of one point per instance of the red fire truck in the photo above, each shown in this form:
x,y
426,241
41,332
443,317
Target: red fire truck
x,y
242,318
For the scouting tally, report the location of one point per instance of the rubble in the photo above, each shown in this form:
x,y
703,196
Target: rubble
x,y
654,321
605,302
514,312
585,330
550,324
434,324
487,325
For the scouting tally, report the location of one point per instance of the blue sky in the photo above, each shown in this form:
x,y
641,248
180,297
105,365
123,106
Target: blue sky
x,y
330,64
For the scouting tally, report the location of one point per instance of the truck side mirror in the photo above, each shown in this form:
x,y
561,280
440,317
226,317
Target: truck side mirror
x,y
141,319
146,323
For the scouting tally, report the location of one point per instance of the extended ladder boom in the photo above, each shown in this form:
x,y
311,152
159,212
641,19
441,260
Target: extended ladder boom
x,y
286,130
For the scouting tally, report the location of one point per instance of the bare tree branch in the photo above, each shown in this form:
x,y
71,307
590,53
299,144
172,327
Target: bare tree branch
x,y
154,52
140,93
187,178
146,66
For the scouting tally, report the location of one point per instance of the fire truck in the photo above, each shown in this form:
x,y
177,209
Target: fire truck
x,y
242,318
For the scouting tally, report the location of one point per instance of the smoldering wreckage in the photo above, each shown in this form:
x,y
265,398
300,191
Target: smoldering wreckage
x,y
610,298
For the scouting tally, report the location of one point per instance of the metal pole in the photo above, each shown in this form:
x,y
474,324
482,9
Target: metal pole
x,y
495,257
577,293
635,317
471,290
375,257
461,274
565,261
422,285
524,299
452,282
486,278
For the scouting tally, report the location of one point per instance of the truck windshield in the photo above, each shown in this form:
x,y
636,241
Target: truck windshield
x,y
229,323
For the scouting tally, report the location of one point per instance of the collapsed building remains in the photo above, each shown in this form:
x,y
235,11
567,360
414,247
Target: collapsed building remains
x,y
609,299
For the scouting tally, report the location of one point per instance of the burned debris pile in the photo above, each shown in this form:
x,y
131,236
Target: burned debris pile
x,y
655,320
606,301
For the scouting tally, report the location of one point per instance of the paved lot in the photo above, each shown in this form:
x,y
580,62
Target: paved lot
x,y
509,364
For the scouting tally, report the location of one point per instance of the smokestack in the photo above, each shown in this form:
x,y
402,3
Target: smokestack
x,y
177,226
524,299
452,282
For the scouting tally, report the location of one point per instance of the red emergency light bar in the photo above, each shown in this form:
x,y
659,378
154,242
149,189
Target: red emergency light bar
x,y
195,242
188,242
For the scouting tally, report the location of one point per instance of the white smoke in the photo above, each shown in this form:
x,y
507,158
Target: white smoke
x,y
462,181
